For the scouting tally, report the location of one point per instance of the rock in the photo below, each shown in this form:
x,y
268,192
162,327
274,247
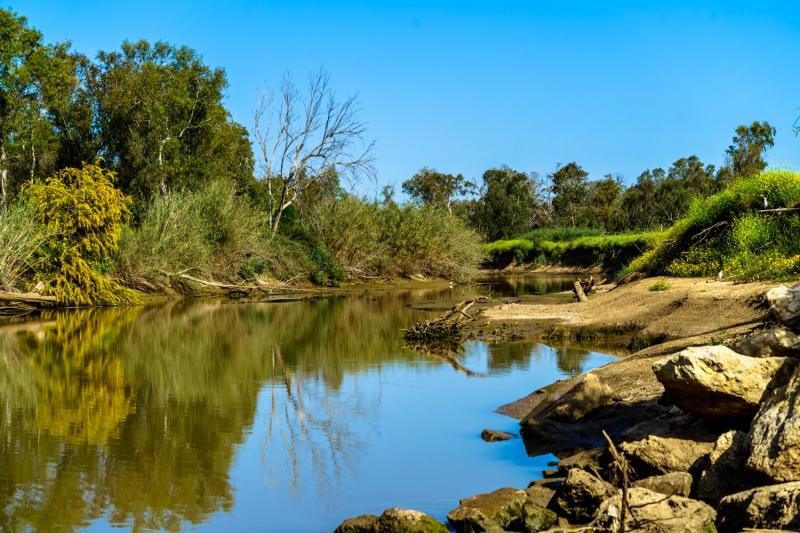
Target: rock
x,y
588,460
784,304
392,520
662,455
505,508
723,475
581,495
716,383
366,523
672,484
775,342
407,521
588,394
650,511
490,435
773,506
774,437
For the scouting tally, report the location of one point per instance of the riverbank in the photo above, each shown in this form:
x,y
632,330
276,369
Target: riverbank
x,y
693,431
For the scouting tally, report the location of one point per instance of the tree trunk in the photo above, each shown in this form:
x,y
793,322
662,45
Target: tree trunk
x,y
3,177
282,205
579,294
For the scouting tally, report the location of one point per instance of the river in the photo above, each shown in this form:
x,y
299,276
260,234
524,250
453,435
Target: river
x,y
284,417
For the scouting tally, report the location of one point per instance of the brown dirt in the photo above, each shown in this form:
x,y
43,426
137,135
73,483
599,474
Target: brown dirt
x,y
693,312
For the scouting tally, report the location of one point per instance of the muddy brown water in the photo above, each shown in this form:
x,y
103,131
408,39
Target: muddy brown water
x,y
256,417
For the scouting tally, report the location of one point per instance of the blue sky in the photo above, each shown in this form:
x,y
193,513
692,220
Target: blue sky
x,y
462,86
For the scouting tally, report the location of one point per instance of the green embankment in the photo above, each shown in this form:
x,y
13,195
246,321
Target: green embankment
x,y
749,231
571,247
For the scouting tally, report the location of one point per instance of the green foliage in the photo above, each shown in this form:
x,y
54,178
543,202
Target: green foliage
x,y
436,188
212,230
508,204
570,190
660,285
20,238
746,154
560,233
326,268
745,231
83,213
385,240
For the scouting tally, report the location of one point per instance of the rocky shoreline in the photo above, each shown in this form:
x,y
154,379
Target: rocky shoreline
x,y
685,436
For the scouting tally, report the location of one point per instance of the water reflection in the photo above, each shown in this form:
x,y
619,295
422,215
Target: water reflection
x,y
135,417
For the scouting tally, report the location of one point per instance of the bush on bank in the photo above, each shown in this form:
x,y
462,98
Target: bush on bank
x,y
748,232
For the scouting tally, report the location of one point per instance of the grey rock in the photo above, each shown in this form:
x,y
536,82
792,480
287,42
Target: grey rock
x,y
506,508
716,383
652,512
773,507
774,436
661,455
784,304
723,474
490,435
672,484
392,520
581,495
774,342
366,523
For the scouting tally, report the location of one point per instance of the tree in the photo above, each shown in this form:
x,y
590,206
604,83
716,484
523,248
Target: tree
x,y
745,156
436,188
570,191
161,121
603,202
33,77
508,203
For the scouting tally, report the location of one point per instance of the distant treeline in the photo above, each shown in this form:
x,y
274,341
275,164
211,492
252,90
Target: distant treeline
x,y
508,203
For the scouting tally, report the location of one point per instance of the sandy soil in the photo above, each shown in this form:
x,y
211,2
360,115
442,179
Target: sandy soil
x,y
693,312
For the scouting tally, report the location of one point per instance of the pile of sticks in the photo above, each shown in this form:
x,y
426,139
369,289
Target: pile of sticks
x,y
447,326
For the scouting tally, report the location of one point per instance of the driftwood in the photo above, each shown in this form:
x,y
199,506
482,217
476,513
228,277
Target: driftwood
x,y
582,287
447,326
31,298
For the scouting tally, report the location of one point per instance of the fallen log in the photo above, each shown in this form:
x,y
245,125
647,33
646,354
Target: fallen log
x,y
577,290
27,298
582,287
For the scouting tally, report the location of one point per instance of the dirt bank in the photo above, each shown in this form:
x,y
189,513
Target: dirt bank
x,y
693,312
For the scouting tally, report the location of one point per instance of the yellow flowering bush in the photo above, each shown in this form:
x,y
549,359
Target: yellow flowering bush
x,y
84,213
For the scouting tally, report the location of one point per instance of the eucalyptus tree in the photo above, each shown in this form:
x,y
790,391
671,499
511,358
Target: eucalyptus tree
x,y
570,189
161,121
437,188
34,78
745,155
508,204
303,136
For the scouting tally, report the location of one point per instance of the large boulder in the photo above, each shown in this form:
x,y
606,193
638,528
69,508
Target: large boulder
x,y
774,437
650,511
723,473
672,484
784,304
581,495
661,455
392,520
774,342
770,507
716,383
506,508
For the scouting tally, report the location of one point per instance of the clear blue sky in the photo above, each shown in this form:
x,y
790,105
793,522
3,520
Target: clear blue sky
x,y
462,85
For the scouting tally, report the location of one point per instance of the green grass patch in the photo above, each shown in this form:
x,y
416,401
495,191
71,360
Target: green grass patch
x,y
659,286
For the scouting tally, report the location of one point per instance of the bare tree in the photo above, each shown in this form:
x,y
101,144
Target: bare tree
x,y
301,135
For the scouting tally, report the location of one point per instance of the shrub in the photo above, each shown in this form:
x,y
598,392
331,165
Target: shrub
x,y
20,238
659,286
83,213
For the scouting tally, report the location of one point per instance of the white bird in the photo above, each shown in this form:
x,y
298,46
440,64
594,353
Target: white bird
x,y
766,204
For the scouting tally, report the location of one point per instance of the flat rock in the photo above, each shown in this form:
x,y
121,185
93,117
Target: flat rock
x,y
672,484
491,435
716,383
581,495
661,455
366,523
506,508
784,304
587,393
588,460
770,507
724,473
653,512
774,342
774,436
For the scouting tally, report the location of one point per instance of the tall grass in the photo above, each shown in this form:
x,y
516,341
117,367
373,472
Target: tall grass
x,y
748,231
20,238
213,231
375,240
